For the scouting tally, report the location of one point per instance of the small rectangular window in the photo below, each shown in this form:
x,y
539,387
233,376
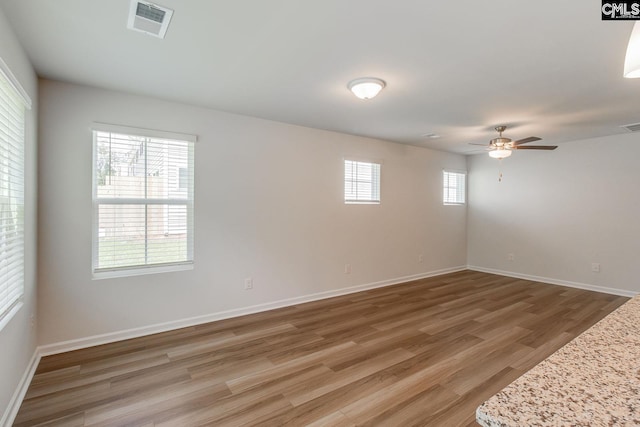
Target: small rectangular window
x,y
143,202
361,182
454,188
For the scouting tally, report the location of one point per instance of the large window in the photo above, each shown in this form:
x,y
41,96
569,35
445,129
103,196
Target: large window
x,y
453,187
143,201
361,182
13,103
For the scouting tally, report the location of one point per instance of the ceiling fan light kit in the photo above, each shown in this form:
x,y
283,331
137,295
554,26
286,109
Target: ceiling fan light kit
x,y
366,87
501,147
500,153
632,59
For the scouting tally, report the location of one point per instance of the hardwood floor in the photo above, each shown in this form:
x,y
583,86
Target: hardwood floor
x,y
422,353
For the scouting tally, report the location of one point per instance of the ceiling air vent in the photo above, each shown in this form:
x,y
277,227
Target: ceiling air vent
x,y
634,127
149,18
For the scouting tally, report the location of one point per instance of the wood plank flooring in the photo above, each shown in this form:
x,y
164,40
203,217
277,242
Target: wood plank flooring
x,y
422,353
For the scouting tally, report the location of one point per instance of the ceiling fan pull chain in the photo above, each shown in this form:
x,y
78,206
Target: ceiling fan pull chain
x,y
499,170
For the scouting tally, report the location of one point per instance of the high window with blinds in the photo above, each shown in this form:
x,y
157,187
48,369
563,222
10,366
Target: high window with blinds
x,y
143,200
361,182
454,187
13,105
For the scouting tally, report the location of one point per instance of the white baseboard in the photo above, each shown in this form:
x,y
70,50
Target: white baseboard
x,y
585,286
91,341
16,400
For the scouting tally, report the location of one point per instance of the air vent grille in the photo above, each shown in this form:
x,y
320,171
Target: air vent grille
x,y
634,127
149,18
150,12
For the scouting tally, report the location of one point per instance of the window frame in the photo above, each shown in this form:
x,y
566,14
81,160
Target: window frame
x,y
14,98
376,182
142,269
447,200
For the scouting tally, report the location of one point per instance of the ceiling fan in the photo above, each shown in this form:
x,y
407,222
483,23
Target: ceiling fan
x,y
501,147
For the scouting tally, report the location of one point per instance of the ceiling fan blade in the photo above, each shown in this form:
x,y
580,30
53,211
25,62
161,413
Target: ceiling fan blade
x,y
477,143
526,140
537,147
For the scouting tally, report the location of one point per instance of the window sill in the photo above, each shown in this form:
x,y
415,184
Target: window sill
x,y
12,312
140,271
363,202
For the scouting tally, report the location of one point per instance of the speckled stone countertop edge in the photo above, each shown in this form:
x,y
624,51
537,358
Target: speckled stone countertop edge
x,y
593,380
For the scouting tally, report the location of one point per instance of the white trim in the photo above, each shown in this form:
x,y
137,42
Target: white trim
x,y
462,171
361,159
110,337
10,413
140,201
361,202
585,286
111,273
151,133
4,320
15,83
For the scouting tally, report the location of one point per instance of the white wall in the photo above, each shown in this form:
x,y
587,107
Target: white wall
x,y
269,204
560,211
18,337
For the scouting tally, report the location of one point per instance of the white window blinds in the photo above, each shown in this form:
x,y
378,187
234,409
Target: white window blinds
x,y
12,129
454,187
143,201
361,182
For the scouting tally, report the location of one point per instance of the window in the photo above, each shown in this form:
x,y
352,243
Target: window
x,y
361,182
142,200
453,187
183,179
13,104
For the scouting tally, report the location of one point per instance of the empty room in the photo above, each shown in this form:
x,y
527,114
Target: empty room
x,y
334,213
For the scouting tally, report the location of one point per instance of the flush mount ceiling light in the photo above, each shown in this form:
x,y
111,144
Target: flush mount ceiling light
x,y
366,87
632,59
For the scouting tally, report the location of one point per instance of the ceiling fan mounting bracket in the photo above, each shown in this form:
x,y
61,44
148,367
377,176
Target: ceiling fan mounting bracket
x,y
500,142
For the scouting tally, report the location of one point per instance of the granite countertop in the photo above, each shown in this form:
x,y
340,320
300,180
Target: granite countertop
x,y
592,381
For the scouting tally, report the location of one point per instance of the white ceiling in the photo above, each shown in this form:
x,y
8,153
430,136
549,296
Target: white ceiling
x,y
547,68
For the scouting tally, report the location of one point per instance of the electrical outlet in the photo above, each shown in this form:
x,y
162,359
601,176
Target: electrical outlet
x,y
248,283
420,258
595,267
347,269
511,257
